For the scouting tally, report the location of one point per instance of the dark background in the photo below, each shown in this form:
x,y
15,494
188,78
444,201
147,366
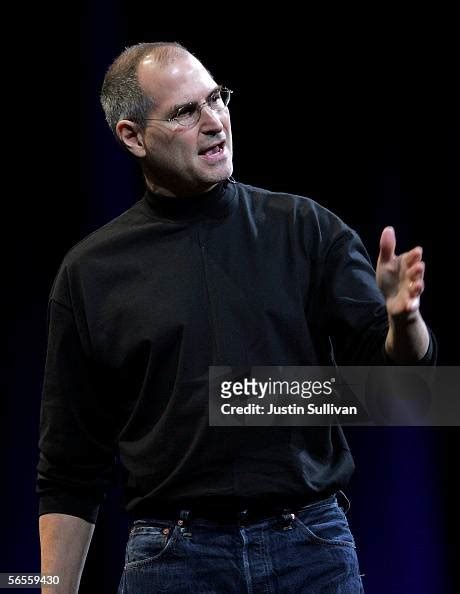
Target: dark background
x,y
360,117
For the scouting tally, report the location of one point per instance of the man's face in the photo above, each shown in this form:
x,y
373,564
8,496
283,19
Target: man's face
x,y
178,160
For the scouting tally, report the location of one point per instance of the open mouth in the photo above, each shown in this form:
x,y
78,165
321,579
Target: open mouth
x,y
213,150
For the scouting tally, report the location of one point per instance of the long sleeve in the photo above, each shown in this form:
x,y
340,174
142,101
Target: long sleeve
x,y
77,435
356,314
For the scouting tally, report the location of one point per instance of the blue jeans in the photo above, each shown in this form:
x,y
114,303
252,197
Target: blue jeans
x,y
309,552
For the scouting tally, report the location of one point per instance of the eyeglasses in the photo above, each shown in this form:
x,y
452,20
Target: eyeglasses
x,y
189,114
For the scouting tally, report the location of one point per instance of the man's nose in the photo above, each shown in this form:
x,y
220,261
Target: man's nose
x,y
210,119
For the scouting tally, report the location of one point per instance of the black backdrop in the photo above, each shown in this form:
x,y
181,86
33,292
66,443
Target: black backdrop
x,y
360,119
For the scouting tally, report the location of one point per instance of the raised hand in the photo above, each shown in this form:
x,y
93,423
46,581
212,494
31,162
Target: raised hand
x,y
400,278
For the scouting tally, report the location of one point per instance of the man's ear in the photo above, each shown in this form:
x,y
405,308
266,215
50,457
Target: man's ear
x,y
130,136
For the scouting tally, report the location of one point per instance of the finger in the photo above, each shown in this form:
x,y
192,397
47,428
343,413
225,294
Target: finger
x,y
416,288
414,255
387,245
409,259
414,279
415,272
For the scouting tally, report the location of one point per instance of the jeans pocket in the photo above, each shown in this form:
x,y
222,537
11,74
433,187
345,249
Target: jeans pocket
x,y
326,525
146,544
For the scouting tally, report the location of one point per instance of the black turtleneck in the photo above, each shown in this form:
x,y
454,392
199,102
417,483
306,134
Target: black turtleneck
x,y
215,203
142,307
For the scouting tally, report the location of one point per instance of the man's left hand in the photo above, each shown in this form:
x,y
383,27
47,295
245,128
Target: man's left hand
x,y
400,278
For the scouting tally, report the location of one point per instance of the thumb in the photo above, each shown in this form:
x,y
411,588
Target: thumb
x,y
387,245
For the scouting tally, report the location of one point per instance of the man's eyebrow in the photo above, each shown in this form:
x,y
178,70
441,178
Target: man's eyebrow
x,y
179,105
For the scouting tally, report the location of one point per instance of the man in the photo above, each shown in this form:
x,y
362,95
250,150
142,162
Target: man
x,y
206,271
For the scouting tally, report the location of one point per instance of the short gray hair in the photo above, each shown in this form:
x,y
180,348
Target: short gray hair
x,y
122,97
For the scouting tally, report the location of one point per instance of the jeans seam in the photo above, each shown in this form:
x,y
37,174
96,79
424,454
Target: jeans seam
x,y
151,560
268,569
321,540
307,508
247,573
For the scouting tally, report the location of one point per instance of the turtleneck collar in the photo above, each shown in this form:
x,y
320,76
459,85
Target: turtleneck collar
x,y
216,203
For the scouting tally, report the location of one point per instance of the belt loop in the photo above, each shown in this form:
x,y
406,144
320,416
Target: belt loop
x,y
286,518
184,522
242,518
346,502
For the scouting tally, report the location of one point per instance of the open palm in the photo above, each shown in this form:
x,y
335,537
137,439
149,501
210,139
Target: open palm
x,y
400,278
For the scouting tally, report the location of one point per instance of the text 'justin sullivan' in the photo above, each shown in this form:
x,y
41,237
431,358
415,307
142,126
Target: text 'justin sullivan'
x,y
289,409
